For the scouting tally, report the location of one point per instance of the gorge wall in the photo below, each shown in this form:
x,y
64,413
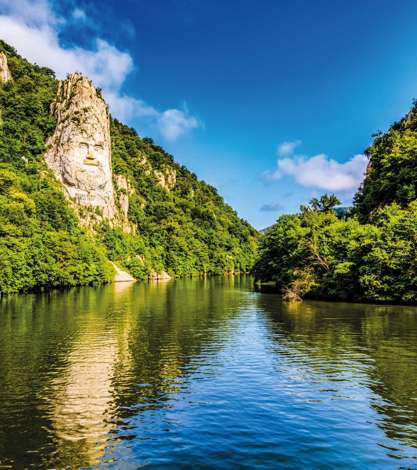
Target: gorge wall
x,y
143,211
5,74
79,151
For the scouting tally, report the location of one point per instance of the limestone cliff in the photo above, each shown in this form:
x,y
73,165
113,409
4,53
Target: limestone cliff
x,y
79,151
123,190
167,178
5,74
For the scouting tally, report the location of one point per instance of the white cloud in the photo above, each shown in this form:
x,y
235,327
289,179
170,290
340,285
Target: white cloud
x,y
29,12
105,65
287,148
126,107
174,123
320,171
32,27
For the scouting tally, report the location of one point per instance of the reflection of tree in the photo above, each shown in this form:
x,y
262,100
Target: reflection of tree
x,y
77,363
378,344
177,322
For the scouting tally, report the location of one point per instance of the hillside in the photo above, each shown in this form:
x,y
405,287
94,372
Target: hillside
x,y
391,175
79,189
368,253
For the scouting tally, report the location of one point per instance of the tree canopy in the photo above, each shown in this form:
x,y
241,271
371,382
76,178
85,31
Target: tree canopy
x,y
185,228
318,254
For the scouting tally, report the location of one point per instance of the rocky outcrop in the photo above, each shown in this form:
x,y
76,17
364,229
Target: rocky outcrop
x,y
79,151
122,276
5,74
162,276
123,192
166,178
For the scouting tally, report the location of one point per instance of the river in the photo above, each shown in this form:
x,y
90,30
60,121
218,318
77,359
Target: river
x,y
204,374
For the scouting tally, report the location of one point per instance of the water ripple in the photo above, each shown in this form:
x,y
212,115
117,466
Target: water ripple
x,y
205,374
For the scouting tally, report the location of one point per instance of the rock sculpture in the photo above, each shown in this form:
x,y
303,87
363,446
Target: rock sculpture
x,y
79,151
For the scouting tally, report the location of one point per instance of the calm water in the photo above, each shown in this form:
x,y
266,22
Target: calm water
x,y
205,374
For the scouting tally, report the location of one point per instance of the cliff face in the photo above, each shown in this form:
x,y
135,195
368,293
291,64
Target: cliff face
x,y
123,191
167,178
158,216
79,151
5,74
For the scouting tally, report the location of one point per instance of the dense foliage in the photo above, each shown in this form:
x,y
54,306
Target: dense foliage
x,y
41,242
368,253
184,228
392,173
316,254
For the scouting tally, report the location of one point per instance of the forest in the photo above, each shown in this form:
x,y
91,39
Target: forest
x,y
367,253
186,230
184,227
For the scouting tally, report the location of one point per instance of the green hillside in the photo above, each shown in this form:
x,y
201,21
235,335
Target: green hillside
x,y
185,229
392,173
368,253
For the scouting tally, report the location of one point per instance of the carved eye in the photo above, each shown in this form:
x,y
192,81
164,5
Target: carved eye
x,y
83,145
98,147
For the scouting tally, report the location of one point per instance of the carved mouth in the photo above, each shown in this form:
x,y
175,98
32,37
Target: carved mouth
x,y
91,162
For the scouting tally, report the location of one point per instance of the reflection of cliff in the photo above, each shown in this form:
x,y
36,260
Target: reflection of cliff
x,y
377,344
82,400
69,344
84,361
82,395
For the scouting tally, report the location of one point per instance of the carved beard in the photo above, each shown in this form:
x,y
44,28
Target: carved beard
x,y
82,177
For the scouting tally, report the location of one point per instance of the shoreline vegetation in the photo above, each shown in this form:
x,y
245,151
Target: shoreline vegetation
x,y
183,228
367,253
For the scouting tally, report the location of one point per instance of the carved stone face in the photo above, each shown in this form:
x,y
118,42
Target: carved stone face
x,y
85,164
79,151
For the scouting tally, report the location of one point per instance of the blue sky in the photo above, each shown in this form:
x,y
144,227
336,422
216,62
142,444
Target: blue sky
x,y
272,102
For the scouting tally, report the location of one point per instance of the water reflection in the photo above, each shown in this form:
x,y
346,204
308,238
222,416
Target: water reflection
x,y
73,365
81,397
372,345
204,373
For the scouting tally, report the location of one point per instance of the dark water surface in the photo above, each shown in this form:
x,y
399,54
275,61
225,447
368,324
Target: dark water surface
x,y
205,374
